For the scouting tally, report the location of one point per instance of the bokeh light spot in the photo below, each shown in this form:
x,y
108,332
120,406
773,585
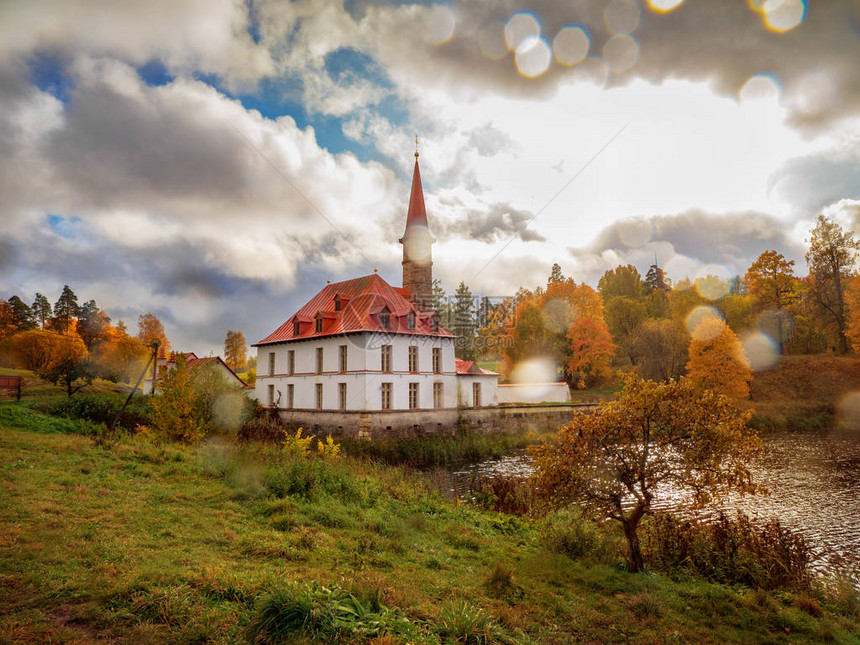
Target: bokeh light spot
x,y
848,411
621,16
621,53
536,372
570,46
712,281
664,6
533,56
635,232
761,351
814,92
491,40
783,15
702,314
439,25
760,87
681,266
519,27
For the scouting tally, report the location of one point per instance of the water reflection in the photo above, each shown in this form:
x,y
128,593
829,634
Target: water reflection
x,y
813,479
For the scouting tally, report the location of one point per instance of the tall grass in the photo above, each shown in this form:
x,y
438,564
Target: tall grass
x,y
731,551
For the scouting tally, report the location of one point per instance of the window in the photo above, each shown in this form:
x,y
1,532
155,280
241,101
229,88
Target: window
x,y
343,358
319,325
296,328
341,395
291,359
386,396
337,303
319,396
476,395
384,320
271,396
386,358
271,363
437,395
437,360
410,321
291,395
434,323
413,396
319,360
413,358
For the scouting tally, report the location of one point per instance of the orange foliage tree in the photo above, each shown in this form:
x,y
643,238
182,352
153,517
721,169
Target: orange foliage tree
x,y
150,329
654,435
61,358
591,350
717,360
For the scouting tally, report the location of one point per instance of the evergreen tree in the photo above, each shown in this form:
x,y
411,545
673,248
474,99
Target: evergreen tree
x,y
93,324
656,280
555,274
22,314
42,310
66,310
441,305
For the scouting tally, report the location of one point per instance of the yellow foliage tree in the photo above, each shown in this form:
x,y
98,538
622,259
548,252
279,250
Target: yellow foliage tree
x,y
654,435
717,360
61,358
175,412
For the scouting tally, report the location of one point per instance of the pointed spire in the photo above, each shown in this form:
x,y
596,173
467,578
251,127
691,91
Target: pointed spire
x,y
417,215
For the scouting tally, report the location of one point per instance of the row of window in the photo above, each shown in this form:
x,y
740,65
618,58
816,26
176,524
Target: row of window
x,y
386,392
384,322
385,360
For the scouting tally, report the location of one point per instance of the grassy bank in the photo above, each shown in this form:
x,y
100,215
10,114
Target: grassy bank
x,y
805,392
155,544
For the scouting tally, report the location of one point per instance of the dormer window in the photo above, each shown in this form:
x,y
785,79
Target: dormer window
x,y
385,320
319,325
296,328
338,303
434,323
410,321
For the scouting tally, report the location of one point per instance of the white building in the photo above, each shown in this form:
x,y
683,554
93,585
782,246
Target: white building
x,y
363,345
194,363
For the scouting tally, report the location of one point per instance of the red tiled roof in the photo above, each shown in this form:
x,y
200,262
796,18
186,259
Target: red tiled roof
x,y
362,300
470,367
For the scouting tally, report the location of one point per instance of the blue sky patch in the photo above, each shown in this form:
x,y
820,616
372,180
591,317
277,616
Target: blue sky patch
x,y
66,227
154,73
48,73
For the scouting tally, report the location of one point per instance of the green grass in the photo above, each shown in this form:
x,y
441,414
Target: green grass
x,y
143,543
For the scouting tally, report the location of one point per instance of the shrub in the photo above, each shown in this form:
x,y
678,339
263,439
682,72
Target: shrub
x,y
296,445
328,449
103,408
512,494
461,622
731,551
262,427
569,533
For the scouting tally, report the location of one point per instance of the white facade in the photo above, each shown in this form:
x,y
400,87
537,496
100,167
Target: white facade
x,y
363,376
478,390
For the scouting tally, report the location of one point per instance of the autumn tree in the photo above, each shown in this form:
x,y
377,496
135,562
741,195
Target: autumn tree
x,y
717,360
653,436
175,412
61,358
591,350
623,316
150,329
623,281
235,350
42,310
832,257
661,349
773,287
7,320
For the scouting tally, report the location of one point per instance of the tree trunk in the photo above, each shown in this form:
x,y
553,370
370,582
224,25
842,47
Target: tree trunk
x,y
635,562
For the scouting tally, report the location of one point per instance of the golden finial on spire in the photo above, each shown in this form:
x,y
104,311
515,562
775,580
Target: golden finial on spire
x,y
416,146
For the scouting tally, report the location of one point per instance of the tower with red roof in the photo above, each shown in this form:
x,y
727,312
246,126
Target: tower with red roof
x,y
418,248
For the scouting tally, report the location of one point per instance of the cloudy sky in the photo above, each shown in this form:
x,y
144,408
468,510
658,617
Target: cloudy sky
x,y
215,161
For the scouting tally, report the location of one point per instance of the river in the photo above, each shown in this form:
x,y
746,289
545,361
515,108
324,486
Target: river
x,y
813,479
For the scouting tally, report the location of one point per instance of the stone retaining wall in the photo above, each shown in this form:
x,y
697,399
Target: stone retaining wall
x,y
426,423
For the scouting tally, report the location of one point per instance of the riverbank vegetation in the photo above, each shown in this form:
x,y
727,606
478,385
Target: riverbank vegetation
x,y
141,541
